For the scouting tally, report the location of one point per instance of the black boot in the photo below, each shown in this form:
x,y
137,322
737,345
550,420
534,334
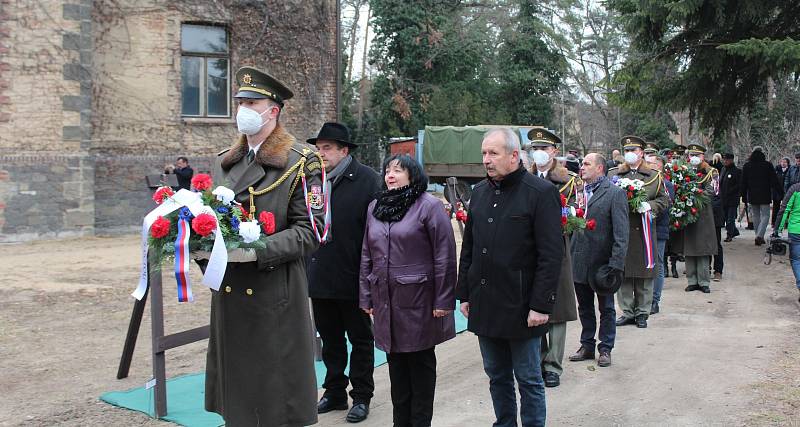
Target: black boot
x,y
674,268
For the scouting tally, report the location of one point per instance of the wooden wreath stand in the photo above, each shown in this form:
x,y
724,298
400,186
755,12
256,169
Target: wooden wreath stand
x,y
160,342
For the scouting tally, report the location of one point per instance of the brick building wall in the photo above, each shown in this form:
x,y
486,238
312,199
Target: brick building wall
x,y
85,115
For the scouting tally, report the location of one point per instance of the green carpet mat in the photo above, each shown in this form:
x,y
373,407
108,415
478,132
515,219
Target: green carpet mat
x,y
186,394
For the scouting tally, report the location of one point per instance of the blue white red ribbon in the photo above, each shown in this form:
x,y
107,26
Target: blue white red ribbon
x,y
326,195
215,270
182,257
649,247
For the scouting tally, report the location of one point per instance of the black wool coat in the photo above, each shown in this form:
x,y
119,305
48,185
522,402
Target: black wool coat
x,y
511,255
333,268
758,181
730,186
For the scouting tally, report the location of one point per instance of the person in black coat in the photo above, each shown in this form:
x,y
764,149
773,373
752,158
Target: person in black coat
x,y
758,182
333,277
777,194
511,259
792,175
730,192
183,172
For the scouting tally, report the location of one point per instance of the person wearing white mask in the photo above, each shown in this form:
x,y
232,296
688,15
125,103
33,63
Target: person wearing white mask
x,y
544,146
260,361
700,238
635,296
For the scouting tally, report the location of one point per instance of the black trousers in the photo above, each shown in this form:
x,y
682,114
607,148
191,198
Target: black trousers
x,y
718,259
413,378
333,318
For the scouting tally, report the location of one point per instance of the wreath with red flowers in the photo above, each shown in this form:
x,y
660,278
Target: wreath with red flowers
x,y
573,219
690,198
225,216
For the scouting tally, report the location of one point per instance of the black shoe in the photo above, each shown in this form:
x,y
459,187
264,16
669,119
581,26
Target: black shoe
x,y
358,413
641,321
728,239
705,289
654,308
674,271
622,321
326,405
551,379
691,288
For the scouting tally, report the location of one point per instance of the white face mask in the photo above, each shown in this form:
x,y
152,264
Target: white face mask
x,y
540,158
695,160
631,157
249,121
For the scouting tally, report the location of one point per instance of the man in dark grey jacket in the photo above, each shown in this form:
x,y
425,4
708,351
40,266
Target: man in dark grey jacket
x,y
603,242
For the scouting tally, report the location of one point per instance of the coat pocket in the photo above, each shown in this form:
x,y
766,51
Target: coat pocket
x,y
410,291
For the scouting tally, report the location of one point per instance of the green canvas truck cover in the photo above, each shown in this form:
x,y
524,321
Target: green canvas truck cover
x,y
457,144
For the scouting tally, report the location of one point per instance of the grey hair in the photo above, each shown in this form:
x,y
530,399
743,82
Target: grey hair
x,y
509,136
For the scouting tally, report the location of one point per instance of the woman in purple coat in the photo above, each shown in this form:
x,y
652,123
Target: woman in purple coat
x,y
407,280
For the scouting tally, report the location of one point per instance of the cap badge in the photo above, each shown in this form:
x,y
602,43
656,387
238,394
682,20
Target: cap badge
x,y
247,79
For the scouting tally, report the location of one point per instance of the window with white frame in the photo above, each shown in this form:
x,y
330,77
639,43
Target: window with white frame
x,y
205,71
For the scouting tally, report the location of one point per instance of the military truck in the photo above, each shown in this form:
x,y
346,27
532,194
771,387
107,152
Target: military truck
x,y
455,151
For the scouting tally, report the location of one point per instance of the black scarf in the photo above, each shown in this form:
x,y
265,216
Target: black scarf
x,y
392,205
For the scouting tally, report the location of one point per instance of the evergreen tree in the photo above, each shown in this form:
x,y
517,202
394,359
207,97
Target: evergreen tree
x,y
710,57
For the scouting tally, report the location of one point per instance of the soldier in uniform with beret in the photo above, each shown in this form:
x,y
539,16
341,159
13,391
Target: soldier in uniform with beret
x,y
700,237
545,147
260,362
635,297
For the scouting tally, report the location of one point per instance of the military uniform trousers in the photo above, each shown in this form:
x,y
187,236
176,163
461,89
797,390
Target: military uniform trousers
x,y
553,347
333,318
635,297
697,270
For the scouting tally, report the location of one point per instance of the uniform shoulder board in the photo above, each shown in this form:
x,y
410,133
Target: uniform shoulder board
x,y
614,168
223,151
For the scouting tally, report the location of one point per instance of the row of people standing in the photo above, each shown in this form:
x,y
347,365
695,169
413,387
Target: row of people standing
x,y
395,256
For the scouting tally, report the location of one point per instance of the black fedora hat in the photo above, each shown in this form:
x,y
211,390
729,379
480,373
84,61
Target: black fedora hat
x,y
333,131
606,281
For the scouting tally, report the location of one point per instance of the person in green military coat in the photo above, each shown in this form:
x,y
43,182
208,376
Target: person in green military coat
x,y
635,296
260,361
700,238
545,147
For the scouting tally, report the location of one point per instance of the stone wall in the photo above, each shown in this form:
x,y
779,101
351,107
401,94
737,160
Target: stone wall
x,y
84,116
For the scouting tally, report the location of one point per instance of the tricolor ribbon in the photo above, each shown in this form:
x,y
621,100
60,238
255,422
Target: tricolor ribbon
x,y
217,262
649,248
326,196
182,257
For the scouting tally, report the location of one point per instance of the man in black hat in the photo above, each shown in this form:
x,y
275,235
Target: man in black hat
x,y
333,276
260,361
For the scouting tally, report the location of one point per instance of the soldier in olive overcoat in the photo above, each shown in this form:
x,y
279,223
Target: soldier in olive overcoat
x,y
260,361
565,309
